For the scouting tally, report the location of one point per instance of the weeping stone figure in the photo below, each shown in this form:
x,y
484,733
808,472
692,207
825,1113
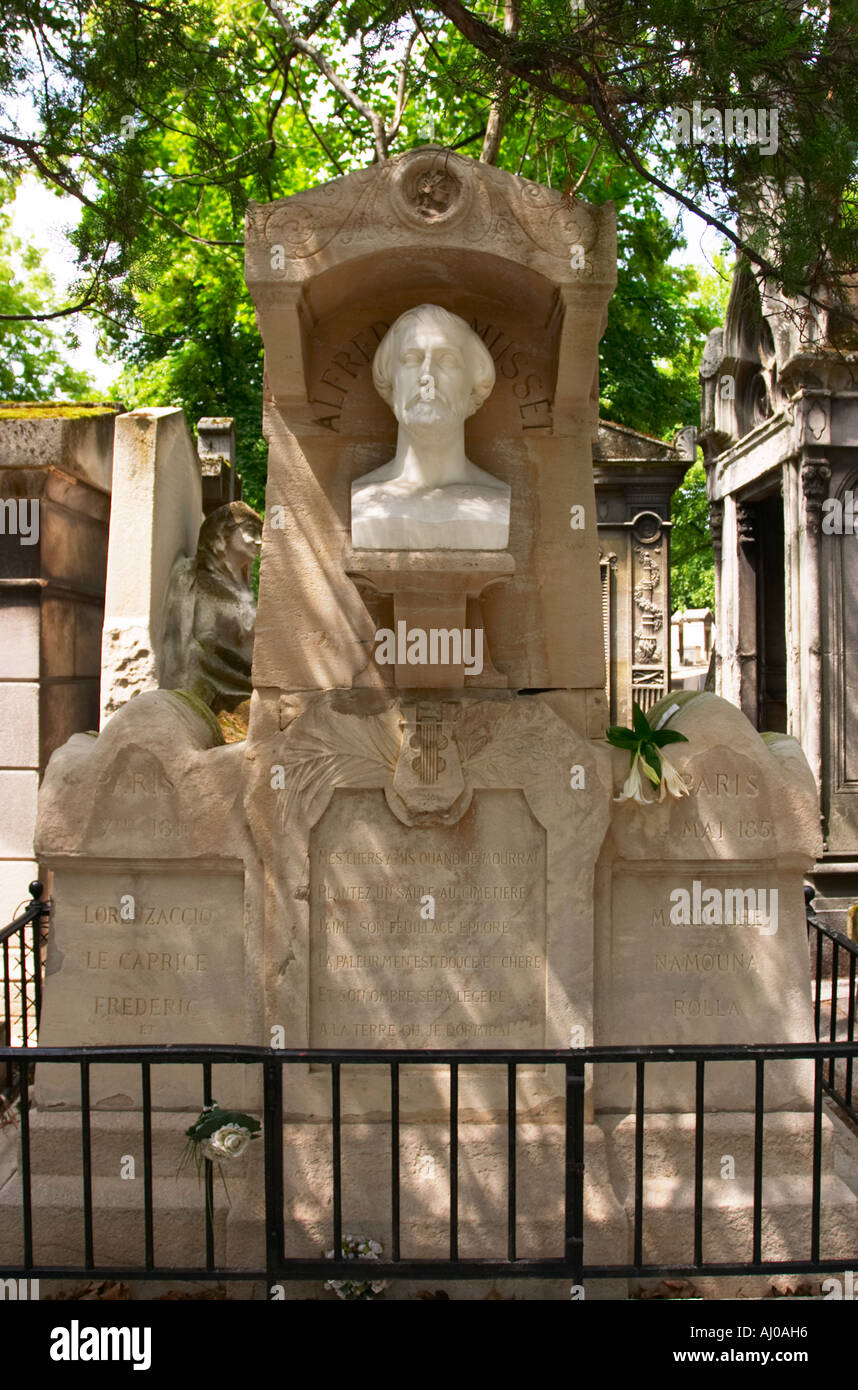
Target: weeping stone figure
x,y
211,611
434,372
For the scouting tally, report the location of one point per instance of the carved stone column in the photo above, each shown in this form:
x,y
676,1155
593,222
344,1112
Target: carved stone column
x,y
716,526
747,567
815,476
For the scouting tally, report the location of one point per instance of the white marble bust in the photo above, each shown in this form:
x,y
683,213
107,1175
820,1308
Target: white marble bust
x,y
434,372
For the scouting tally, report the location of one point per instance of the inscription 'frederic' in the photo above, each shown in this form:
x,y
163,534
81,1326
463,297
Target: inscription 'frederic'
x,y
128,1006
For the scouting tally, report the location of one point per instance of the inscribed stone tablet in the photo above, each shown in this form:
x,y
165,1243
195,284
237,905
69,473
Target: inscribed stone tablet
x,y
145,957
427,936
714,955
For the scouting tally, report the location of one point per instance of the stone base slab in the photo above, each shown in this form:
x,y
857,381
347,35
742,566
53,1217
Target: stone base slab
x,y
179,1227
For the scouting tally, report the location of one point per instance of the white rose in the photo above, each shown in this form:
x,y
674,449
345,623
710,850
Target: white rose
x,y
230,1141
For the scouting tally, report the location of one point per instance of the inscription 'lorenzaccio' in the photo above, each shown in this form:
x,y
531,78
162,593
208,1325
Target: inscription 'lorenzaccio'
x,y
184,915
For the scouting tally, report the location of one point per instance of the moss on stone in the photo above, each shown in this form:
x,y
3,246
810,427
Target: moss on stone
x,y
202,711
56,410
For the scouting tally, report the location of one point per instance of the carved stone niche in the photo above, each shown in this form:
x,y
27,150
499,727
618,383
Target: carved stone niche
x,y
330,269
430,874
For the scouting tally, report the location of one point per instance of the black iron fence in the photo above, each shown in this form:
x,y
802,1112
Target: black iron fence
x,y
279,1258
22,946
830,1063
834,966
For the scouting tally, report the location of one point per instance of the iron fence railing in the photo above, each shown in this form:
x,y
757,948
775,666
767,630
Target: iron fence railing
x,y
834,962
834,966
22,945
279,1260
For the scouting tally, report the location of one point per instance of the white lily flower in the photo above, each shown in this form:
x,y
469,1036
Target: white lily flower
x,y
633,787
671,779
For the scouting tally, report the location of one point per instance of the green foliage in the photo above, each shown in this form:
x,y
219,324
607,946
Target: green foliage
x,y
619,69
692,573
33,363
187,329
164,120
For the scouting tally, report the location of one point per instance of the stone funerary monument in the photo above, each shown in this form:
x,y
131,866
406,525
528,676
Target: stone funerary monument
x,y
420,842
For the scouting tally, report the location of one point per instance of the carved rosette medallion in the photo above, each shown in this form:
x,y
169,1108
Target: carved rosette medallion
x,y
427,190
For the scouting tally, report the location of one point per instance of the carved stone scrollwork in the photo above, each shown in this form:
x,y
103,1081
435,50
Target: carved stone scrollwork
x,y
745,524
815,478
716,524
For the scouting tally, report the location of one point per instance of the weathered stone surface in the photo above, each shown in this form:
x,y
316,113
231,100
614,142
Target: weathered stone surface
x,y
154,934
18,793
427,936
155,520
80,447
19,615
143,955
702,935
19,724
333,783
500,255
55,474
211,611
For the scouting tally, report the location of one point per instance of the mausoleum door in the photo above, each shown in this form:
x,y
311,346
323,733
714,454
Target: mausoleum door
x,y
771,616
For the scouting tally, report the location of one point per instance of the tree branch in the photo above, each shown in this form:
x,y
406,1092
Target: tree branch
x,y
328,151
587,167
401,93
502,50
497,112
85,303
375,121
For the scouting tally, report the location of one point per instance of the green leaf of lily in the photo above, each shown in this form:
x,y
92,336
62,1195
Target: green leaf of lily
x,y
660,737
621,737
642,727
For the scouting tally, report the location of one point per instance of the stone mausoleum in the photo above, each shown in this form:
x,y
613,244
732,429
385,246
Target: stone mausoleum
x,y
424,839
779,433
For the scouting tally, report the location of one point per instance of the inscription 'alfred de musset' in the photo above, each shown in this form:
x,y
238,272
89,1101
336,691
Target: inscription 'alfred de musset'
x,y
512,363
